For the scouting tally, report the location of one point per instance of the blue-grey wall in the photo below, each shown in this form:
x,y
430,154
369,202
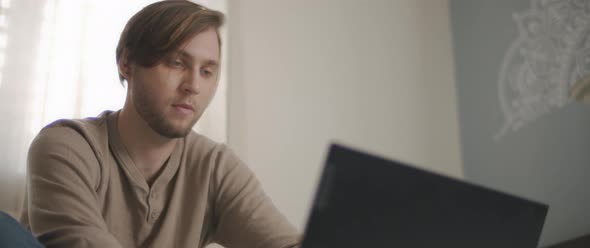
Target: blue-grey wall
x,y
515,61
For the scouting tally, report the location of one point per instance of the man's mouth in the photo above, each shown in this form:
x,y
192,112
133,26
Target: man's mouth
x,y
184,107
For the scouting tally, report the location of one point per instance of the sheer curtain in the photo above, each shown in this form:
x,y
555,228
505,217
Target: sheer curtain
x,y
57,60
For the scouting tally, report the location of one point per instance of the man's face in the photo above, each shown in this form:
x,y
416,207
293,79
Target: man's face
x,y
173,95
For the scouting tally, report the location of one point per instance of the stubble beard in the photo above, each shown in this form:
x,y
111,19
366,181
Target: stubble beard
x,y
157,120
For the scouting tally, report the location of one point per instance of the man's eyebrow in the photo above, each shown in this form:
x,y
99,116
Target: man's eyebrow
x,y
212,63
188,56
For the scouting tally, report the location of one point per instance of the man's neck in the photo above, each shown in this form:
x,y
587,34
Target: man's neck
x,y
148,149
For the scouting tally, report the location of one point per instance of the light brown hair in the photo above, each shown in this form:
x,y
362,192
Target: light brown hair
x,y
162,27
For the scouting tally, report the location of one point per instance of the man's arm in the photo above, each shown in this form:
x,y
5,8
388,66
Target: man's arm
x,y
62,203
244,215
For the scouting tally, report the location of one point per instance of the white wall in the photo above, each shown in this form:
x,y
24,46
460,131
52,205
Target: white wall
x,y
375,74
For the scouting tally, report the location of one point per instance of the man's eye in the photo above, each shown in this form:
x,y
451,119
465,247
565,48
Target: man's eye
x,y
206,72
177,63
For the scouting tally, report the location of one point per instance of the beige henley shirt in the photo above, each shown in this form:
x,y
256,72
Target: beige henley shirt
x,y
83,190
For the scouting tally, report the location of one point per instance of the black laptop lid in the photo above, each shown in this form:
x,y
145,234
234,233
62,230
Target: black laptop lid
x,y
367,201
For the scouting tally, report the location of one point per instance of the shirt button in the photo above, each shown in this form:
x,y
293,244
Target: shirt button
x,y
154,215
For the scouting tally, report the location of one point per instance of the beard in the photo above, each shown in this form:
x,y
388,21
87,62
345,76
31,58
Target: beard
x,y
148,110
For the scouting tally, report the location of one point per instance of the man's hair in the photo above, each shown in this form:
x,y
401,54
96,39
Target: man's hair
x,y
161,28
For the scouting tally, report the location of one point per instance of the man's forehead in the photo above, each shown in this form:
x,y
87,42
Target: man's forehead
x,y
202,46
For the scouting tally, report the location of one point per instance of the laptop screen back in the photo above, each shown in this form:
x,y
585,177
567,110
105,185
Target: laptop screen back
x,y
367,201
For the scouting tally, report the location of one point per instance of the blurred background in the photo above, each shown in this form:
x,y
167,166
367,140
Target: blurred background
x,y
442,84
57,60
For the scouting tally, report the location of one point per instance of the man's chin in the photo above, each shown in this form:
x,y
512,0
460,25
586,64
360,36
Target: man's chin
x,y
172,132
174,135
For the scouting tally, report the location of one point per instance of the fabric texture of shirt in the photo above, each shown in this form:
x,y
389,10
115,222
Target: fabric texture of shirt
x,y
83,190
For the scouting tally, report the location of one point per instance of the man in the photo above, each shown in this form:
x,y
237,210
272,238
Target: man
x,y
140,177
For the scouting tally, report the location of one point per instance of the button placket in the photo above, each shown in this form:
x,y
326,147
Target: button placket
x,y
153,204
154,215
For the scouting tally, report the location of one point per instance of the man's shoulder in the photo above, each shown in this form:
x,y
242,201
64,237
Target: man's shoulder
x,y
89,123
199,143
70,144
75,132
200,147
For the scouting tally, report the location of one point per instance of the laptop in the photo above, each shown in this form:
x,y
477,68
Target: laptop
x,y
367,201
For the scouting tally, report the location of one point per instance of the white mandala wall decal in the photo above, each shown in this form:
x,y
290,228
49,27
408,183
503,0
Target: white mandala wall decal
x,y
551,53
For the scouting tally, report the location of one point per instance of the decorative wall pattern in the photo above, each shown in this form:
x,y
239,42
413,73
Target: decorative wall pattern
x,y
516,61
551,52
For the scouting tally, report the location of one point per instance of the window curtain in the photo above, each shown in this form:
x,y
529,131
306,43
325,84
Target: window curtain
x,y
57,60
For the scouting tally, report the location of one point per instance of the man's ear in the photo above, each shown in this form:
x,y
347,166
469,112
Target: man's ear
x,y
124,66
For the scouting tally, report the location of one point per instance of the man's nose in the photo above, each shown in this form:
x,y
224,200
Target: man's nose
x,y
192,84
